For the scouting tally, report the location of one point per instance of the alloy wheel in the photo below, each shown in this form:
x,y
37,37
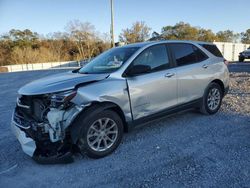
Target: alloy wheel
x,y
102,134
213,99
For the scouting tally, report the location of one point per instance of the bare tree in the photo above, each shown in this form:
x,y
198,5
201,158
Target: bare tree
x,y
84,36
56,43
139,32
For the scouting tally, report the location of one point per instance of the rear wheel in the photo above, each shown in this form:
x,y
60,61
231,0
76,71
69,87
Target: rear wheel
x,y
212,99
101,135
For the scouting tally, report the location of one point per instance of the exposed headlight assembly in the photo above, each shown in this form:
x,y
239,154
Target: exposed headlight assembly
x,y
62,99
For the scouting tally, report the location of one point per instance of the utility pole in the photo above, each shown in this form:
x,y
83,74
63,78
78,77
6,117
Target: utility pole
x,y
112,24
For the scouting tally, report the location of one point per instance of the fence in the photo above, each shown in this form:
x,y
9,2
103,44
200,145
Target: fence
x,y
41,66
231,50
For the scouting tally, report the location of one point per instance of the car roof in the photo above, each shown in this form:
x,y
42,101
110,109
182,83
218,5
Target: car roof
x,y
139,44
142,44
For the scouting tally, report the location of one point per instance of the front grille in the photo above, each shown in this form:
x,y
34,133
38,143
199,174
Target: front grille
x,y
25,100
30,114
33,107
21,121
24,103
29,126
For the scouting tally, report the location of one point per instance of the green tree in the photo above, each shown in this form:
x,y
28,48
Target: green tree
x,y
139,32
227,36
180,31
206,35
25,38
245,37
24,46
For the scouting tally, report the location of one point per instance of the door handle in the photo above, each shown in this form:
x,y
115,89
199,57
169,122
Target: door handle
x,y
205,66
169,75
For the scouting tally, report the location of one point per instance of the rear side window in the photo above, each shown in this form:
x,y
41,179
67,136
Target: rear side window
x,y
200,56
186,54
212,49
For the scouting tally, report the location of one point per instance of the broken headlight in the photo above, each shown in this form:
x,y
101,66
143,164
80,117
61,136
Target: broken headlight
x,y
62,99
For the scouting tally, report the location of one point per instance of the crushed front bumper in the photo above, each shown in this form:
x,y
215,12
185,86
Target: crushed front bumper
x,y
29,145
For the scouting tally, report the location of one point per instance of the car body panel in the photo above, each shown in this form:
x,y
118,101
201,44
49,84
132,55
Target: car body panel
x,y
112,90
59,82
153,92
194,78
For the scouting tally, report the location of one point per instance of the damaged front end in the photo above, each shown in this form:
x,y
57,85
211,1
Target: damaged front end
x,y
41,124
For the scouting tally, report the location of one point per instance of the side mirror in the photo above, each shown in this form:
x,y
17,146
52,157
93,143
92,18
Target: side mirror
x,y
137,70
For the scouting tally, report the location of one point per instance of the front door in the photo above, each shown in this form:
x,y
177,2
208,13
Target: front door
x,y
154,90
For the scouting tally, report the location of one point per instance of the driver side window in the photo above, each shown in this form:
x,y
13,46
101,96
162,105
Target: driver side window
x,y
155,57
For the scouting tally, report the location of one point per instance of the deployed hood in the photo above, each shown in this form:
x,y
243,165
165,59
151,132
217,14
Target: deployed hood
x,y
59,82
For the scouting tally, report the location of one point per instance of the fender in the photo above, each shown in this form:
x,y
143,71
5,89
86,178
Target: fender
x,y
75,129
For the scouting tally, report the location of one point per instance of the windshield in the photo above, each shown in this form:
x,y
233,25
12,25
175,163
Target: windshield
x,y
109,61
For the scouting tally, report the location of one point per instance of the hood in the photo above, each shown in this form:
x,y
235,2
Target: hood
x,y
59,82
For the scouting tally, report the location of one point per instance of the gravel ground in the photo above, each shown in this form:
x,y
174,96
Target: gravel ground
x,y
238,98
184,150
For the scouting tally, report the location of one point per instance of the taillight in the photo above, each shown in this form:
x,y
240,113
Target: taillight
x,y
226,62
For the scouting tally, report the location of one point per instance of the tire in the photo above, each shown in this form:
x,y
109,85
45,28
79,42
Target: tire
x,y
212,99
92,133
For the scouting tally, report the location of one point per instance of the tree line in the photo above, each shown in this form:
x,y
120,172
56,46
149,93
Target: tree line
x,y
80,40
181,31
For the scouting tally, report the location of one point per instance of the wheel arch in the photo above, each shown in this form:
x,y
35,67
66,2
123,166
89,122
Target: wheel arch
x,y
113,106
203,108
75,130
220,83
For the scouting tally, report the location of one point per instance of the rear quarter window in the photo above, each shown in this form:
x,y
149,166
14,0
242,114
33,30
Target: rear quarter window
x,y
212,49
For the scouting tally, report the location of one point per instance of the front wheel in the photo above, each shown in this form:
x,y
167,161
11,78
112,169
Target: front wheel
x,y
101,135
212,99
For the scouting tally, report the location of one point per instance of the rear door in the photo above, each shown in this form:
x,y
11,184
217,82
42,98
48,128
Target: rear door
x,y
155,90
193,71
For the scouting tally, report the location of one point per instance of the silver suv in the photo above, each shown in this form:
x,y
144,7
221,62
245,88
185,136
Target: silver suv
x,y
88,110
